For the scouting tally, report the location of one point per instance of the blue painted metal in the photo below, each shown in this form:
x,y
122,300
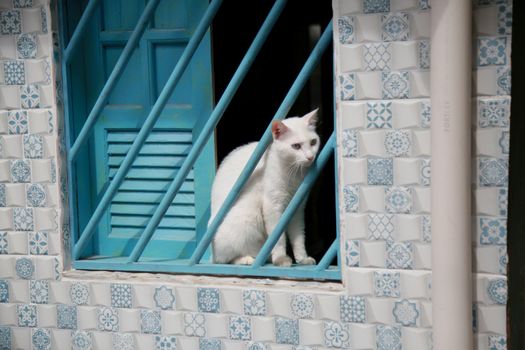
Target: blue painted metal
x,y
295,202
181,266
302,78
328,256
208,128
146,128
113,78
79,31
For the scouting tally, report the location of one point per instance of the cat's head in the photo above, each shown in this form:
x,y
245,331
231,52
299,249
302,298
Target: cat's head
x,y
295,138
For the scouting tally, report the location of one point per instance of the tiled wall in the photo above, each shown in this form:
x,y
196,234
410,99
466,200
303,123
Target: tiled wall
x,y
383,120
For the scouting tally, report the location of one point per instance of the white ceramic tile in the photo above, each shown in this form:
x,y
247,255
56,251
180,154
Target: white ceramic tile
x,y
100,294
414,284
419,84
102,340
372,199
21,338
188,343
172,323
46,96
19,291
3,122
230,301
352,115
408,227
263,329
49,143
421,198
13,146
487,142
38,121
354,171
278,304
351,57
485,81
45,267
362,336
7,47
481,341
372,143
311,332
422,256
8,315
47,316
129,320
491,319
368,27
186,299
87,317
15,195
52,194
144,341
486,259
6,266
6,219
45,219
416,339
17,243
406,171
5,174
41,170
379,310
368,85
345,7
373,254
44,45
9,96
356,226
31,20
419,25
426,314
485,20
233,345
486,201
404,55
359,281
143,296
217,325
35,72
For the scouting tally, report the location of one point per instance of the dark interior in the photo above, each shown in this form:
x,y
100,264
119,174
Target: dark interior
x,y
267,83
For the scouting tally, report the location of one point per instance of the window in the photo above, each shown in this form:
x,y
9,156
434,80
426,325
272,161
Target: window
x,y
140,131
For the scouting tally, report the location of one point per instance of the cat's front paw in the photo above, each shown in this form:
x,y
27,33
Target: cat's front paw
x,y
284,261
306,261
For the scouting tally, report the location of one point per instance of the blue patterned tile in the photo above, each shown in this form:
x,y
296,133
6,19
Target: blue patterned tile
x,y
5,338
194,324
254,302
347,87
41,339
350,143
24,268
3,198
503,201
66,316
351,198
493,112
150,321
336,334
26,45
22,3
256,346
23,219
397,143
4,291
352,253
399,255
504,142
14,73
302,306
398,200
208,300
210,344
395,27
33,146
493,231
493,172
79,293
424,54
346,30
352,309
39,291
123,341
379,115
424,4
395,85
497,342
426,228
27,315
81,340
164,298
4,248
505,19
425,172
17,122
503,81
107,319
10,22
492,51
35,195
503,260
20,171
286,331
57,268
30,96
406,312
240,328
380,171
425,114
121,295
165,342
388,338
376,6
38,243
377,56
43,18
387,284
381,227
497,290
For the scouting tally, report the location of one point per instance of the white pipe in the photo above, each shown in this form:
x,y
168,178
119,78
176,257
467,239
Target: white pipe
x,y
451,43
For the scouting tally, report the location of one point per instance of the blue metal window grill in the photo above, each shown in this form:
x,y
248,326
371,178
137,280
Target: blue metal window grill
x,y
195,264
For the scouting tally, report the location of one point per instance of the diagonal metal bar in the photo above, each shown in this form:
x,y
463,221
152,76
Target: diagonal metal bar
x,y
148,125
295,202
286,105
80,29
330,254
113,78
210,125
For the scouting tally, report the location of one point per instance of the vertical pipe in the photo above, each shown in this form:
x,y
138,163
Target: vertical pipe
x,y
451,178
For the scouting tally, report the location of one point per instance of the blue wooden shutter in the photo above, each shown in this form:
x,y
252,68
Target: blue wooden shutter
x,y
165,149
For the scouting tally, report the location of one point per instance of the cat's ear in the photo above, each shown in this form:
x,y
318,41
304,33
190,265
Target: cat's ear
x,y
278,129
312,119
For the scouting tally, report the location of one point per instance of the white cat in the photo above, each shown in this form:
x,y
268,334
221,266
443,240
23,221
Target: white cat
x,y
266,195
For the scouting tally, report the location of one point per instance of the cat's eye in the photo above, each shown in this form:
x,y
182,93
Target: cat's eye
x,y
296,146
313,142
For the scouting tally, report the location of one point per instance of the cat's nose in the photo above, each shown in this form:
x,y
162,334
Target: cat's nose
x,y
310,158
